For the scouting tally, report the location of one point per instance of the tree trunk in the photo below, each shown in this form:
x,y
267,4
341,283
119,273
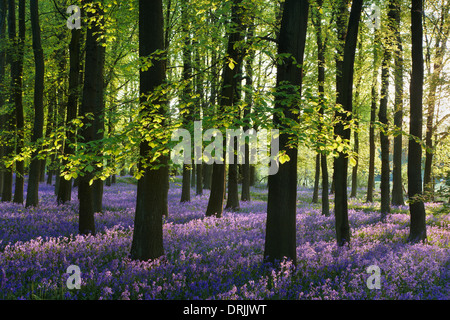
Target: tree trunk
x,y
397,180
199,185
151,203
384,138
227,99
9,117
245,193
373,113
233,172
186,184
357,116
38,128
434,82
187,106
17,97
99,112
233,193
321,47
418,230
280,240
65,187
198,107
3,18
354,191
207,171
315,198
345,97
89,105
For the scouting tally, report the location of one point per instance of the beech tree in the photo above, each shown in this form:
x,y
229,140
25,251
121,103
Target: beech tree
x,y
90,111
17,97
418,230
227,98
65,187
3,19
280,241
38,127
345,99
186,99
151,202
397,180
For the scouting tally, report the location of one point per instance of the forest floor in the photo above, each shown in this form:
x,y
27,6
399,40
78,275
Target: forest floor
x,y
210,258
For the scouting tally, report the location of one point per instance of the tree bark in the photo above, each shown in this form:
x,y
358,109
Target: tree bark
x,y
207,171
151,203
434,82
280,240
373,113
418,230
245,193
89,106
315,198
3,18
18,102
227,98
345,97
38,128
99,119
397,180
384,138
9,117
187,106
321,48
65,187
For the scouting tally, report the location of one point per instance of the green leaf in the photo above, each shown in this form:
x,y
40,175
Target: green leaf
x,y
284,158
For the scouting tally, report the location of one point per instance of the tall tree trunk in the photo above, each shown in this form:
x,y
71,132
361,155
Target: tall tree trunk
x,y
245,193
3,18
17,97
65,187
397,180
187,105
151,203
198,107
99,120
418,230
373,114
434,82
38,128
9,117
384,138
280,240
227,99
341,8
233,172
354,190
89,105
356,115
345,97
321,47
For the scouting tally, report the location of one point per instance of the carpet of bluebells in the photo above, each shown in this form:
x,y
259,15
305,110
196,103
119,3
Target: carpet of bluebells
x,y
210,258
